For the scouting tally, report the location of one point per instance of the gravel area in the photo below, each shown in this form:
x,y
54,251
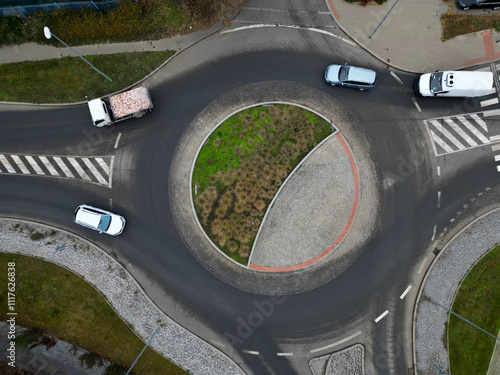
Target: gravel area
x,y
441,285
122,292
349,361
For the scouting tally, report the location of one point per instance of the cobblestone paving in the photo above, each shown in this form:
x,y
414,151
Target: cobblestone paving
x,y
310,211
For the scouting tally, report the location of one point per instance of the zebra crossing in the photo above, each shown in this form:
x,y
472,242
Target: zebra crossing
x,y
460,132
96,170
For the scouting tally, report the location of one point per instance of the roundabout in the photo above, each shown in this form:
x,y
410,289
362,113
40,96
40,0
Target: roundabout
x,y
333,194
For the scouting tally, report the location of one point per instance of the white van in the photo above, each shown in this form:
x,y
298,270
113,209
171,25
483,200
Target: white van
x,y
454,84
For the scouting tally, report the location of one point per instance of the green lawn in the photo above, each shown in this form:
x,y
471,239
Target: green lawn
x,y
62,304
70,79
478,300
241,167
462,24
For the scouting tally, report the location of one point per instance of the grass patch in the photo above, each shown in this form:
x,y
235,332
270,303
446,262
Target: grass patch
x,y
461,24
241,167
70,79
61,304
477,301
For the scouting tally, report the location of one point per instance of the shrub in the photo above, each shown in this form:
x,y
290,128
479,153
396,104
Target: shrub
x,y
11,30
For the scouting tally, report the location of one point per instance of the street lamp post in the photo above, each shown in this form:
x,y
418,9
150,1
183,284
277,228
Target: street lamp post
x,y
48,35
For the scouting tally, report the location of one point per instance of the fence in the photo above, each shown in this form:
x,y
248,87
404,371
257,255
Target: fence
x,y
25,10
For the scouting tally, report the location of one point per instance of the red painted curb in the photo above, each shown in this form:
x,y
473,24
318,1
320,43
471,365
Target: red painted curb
x,y
342,234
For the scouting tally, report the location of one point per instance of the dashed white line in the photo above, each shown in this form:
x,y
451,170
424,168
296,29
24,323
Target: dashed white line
x,y
439,170
6,164
284,354
395,77
495,138
439,199
495,147
497,157
405,292
49,166
493,112
498,168
118,139
34,165
381,316
336,343
486,103
434,233
250,352
416,104
422,266
20,164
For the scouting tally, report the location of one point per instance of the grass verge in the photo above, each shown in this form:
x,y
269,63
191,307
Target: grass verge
x,y
461,24
62,304
70,79
241,167
477,301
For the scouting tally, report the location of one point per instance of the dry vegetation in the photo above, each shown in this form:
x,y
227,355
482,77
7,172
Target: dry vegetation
x,y
241,167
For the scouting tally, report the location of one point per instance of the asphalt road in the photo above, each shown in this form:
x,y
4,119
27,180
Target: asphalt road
x,y
152,249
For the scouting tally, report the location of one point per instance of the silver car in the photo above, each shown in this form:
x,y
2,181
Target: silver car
x,y
350,76
100,220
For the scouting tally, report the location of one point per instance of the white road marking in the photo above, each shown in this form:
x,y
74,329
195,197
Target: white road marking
x,y
422,266
64,167
440,142
493,112
6,164
284,354
416,104
79,169
34,164
103,165
381,316
495,147
250,352
49,166
497,157
20,164
473,129
460,132
218,343
479,121
290,27
405,292
495,138
498,168
447,134
433,233
439,199
439,170
118,140
486,103
94,171
396,77
336,343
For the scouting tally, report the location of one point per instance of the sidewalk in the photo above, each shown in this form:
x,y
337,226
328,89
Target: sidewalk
x,y
410,36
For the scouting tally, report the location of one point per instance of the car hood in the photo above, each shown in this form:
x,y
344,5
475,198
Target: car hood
x,y
332,73
116,225
423,84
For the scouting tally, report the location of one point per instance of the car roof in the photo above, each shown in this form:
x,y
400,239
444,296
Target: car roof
x,y
361,75
88,217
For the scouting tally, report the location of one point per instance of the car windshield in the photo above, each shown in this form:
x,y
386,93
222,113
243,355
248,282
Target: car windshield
x,y
435,82
343,73
104,223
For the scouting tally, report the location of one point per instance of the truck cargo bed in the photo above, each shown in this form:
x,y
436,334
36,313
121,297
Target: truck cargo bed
x,y
129,102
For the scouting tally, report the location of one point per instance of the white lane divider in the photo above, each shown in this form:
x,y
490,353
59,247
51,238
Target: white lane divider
x,y
439,199
405,292
416,104
395,77
381,316
336,343
434,233
439,170
422,266
250,352
284,354
118,140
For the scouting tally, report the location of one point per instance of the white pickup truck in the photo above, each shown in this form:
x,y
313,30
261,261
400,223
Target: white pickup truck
x,y
132,103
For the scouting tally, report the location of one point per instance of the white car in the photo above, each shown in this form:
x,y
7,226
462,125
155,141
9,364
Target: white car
x,y
99,220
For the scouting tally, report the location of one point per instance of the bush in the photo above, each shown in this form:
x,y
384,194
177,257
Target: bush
x,y
11,30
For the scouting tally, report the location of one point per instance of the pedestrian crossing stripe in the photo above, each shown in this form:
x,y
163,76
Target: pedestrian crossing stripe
x,y
460,132
94,170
